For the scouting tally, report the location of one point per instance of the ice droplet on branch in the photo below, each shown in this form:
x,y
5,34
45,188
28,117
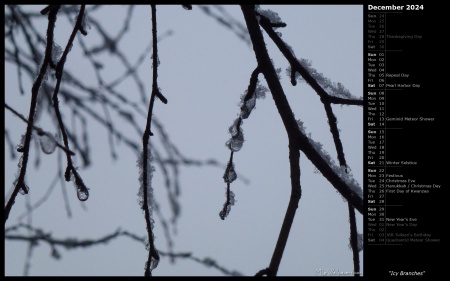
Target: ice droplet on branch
x,y
247,107
227,207
56,53
230,174
24,189
237,136
82,190
48,144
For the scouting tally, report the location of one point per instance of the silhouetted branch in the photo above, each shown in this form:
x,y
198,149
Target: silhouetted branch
x,y
38,130
296,66
326,99
287,115
10,144
153,257
20,185
82,190
354,240
84,102
296,193
36,235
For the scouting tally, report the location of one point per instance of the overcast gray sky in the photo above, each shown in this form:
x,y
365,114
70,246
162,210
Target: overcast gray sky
x,y
204,70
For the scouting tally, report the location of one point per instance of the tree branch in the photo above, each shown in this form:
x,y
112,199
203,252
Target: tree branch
x,y
296,193
20,185
38,235
287,115
39,131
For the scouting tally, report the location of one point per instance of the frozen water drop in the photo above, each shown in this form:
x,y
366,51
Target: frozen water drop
x,y
237,136
232,200
24,189
83,194
82,190
230,174
48,144
235,144
155,262
234,129
247,107
56,52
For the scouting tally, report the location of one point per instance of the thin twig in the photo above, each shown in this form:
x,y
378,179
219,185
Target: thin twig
x,y
36,235
82,190
39,131
20,183
153,256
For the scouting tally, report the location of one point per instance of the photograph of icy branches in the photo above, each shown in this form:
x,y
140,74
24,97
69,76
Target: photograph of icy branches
x,y
115,123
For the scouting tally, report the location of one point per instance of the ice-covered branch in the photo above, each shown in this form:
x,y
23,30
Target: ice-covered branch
x,y
36,235
287,115
20,185
329,93
248,102
336,94
71,171
145,163
297,137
